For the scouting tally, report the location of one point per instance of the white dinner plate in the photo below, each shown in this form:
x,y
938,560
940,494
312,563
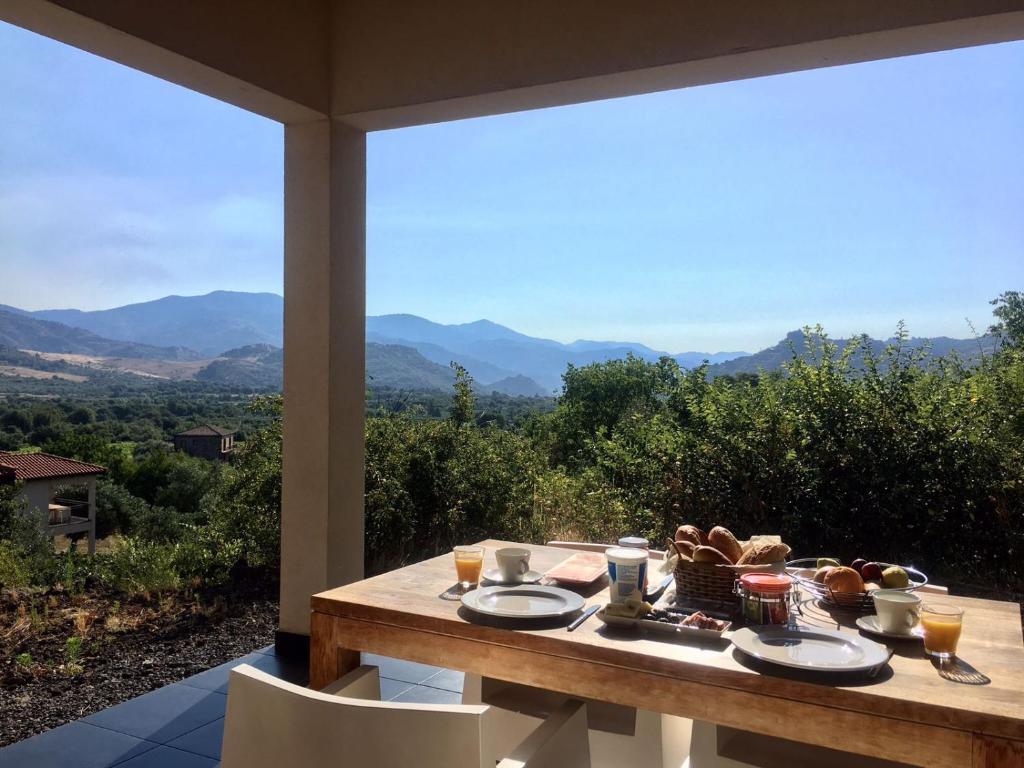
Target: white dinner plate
x,y
523,602
823,650
530,577
870,624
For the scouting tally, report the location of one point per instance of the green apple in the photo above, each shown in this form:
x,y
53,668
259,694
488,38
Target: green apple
x,y
823,561
895,578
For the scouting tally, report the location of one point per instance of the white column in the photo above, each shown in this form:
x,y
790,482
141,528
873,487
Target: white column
x,y
324,385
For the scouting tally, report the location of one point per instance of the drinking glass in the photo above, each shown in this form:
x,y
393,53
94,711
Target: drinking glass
x,y
469,560
941,623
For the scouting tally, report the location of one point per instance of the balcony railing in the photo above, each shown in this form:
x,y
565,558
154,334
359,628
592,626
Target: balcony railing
x,y
68,511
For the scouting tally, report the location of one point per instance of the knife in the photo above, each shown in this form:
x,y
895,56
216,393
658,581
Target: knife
x,y
654,594
584,616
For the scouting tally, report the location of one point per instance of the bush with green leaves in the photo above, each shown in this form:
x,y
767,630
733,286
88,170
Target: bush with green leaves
x,y
137,567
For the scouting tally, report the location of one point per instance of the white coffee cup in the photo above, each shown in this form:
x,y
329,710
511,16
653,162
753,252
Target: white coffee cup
x,y
513,562
898,612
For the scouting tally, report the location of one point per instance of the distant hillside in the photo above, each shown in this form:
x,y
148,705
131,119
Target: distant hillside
x,y
492,352
225,321
397,367
209,324
774,357
516,385
24,331
390,366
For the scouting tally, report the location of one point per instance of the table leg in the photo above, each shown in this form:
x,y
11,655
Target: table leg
x,y
328,660
990,752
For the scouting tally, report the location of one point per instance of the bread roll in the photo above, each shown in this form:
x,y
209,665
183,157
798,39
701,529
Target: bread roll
x,y
710,555
692,534
722,539
763,553
844,580
685,548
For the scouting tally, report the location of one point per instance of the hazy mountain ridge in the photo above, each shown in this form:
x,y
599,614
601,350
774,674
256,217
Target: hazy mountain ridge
x,y
208,324
774,357
26,331
239,336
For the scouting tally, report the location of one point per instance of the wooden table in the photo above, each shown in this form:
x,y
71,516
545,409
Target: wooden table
x,y
907,714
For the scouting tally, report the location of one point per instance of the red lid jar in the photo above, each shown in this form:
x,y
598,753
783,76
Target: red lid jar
x,y
765,597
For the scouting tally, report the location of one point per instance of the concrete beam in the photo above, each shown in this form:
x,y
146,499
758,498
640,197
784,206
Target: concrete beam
x,y
397,64
263,56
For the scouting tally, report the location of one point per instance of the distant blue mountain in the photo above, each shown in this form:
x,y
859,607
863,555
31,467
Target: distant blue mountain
x,y
228,320
209,324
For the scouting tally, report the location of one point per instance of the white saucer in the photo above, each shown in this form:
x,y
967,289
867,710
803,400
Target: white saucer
x,y
530,577
870,624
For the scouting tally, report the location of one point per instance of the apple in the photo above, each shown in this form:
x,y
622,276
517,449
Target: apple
x,y
824,561
895,578
871,572
859,563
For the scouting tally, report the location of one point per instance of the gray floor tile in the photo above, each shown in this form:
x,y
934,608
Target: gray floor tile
x,y
421,694
216,678
294,671
75,745
205,740
168,757
391,688
164,714
447,679
399,669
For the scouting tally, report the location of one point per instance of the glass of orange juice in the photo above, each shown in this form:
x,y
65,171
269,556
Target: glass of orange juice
x,y
469,560
941,623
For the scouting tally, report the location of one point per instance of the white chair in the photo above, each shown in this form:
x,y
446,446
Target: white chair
x,y
619,736
271,723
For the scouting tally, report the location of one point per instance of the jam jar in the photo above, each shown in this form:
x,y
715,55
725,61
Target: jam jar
x,y
765,597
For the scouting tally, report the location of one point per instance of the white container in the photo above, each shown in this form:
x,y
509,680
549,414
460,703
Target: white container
x,y
627,573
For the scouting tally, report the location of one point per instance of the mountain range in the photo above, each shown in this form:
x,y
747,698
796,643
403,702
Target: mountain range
x,y
235,338
215,326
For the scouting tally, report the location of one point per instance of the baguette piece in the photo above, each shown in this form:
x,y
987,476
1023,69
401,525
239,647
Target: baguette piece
x,y
692,534
710,555
722,539
685,548
764,553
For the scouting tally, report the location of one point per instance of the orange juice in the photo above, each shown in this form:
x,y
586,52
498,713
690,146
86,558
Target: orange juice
x,y
942,626
468,569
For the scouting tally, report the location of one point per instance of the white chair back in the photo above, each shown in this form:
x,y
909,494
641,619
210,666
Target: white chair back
x,y
271,723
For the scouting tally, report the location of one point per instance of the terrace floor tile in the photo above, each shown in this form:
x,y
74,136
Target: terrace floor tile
x,y
216,678
205,740
168,757
389,689
399,669
164,714
421,694
75,745
448,680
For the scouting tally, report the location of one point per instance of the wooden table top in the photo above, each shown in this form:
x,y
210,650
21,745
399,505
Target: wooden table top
x,y
913,691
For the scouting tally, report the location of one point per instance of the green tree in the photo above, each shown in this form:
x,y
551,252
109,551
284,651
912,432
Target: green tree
x,y
1009,313
463,409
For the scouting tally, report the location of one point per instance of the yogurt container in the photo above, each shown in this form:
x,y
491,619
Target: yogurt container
x,y
627,573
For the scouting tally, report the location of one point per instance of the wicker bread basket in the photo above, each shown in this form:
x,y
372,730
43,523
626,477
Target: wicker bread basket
x,y
714,582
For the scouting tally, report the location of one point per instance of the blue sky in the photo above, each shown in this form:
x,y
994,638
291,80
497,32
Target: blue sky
x,y
706,219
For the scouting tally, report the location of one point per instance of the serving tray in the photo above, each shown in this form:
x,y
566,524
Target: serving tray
x,y
660,627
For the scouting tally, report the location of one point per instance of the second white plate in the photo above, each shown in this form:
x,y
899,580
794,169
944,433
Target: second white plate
x,y
523,602
530,577
870,624
823,650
